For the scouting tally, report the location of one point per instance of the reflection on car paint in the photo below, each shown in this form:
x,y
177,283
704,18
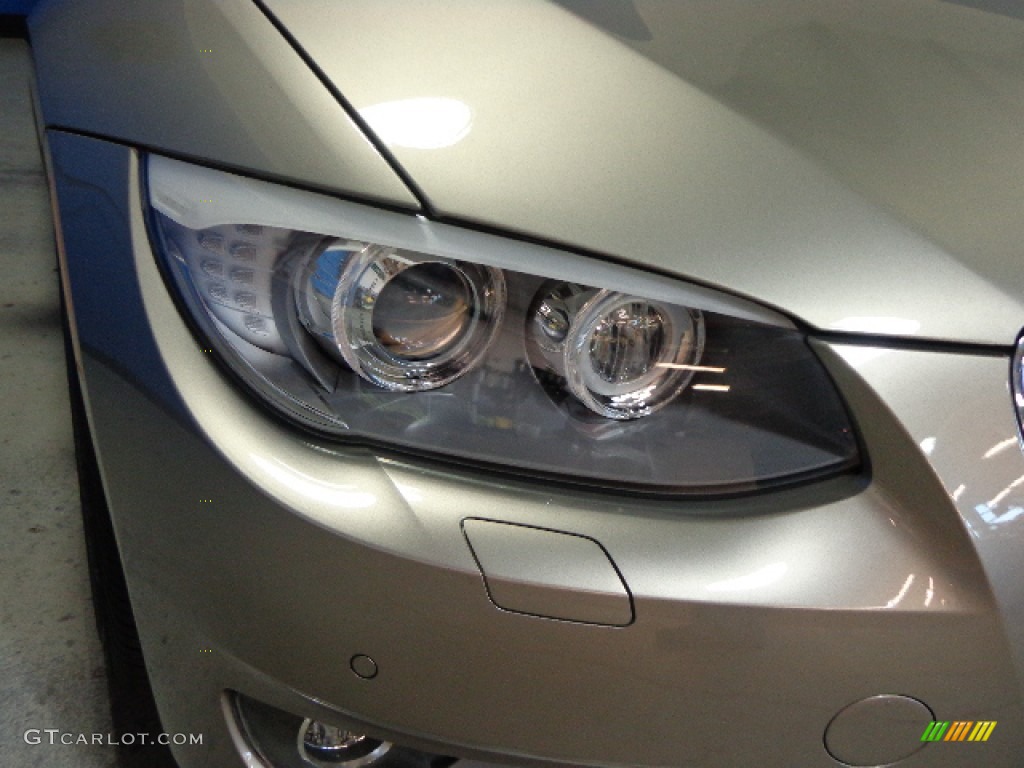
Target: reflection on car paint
x,y
421,123
343,495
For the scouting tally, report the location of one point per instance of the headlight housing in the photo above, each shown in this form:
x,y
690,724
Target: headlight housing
x,y
392,330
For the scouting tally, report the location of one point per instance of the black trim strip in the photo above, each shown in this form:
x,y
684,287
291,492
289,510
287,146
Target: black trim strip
x,y
389,158
838,337
916,345
983,349
260,175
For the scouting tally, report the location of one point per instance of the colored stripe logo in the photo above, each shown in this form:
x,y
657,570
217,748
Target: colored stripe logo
x,y
959,730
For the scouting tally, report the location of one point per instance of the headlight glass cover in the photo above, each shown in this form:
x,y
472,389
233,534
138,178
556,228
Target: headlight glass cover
x,y
387,329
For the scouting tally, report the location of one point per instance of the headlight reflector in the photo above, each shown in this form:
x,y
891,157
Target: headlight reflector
x,y
622,356
408,321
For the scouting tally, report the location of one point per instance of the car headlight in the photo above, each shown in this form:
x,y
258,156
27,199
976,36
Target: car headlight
x,y
405,321
389,329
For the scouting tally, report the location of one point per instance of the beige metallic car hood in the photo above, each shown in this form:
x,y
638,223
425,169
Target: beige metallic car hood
x,y
857,165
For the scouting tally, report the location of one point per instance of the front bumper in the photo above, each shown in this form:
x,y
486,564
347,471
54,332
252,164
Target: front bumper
x,y
261,559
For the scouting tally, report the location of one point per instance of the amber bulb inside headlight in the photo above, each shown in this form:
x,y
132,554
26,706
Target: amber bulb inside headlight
x,y
622,356
403,320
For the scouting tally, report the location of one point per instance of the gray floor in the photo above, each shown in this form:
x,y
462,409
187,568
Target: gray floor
x,y
51,669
